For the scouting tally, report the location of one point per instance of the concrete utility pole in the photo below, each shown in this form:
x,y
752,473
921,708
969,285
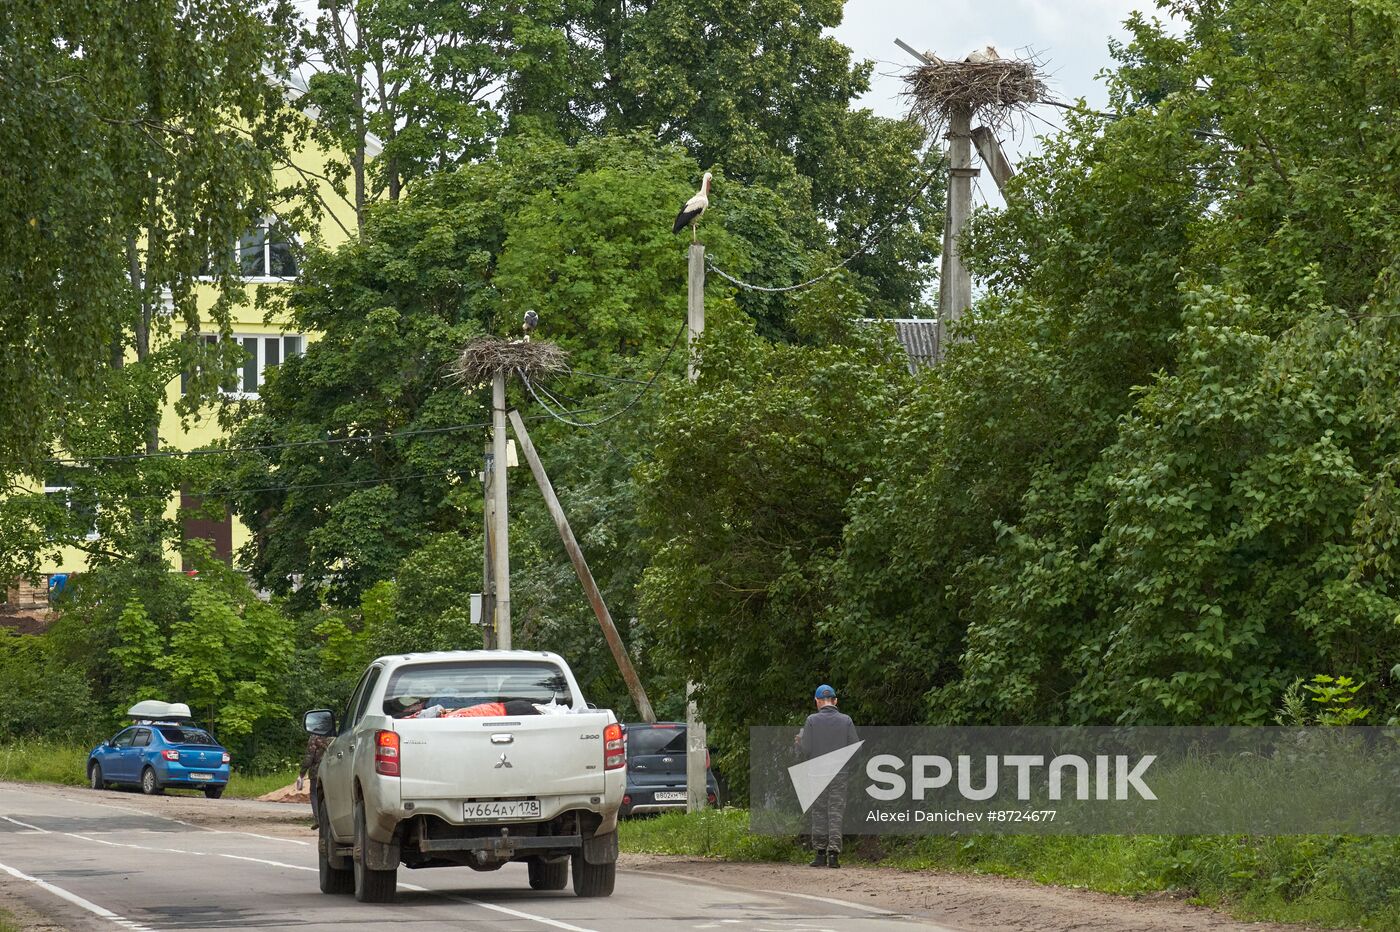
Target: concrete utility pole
x,y
501,537
488,558
955,284
696,743
695,307
585,576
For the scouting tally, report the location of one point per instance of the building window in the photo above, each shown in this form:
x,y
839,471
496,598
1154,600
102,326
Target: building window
x,y
266,251
81,505
260,353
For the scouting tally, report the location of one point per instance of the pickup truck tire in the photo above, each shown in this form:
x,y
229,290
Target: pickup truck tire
x,y
593,879
371,886
548,875
213,792
150,783
95,777
337,876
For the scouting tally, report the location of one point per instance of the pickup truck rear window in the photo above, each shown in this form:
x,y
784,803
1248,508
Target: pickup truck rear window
x,y
447,687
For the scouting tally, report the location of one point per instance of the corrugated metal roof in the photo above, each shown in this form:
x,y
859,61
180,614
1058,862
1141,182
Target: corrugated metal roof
x,y
918,336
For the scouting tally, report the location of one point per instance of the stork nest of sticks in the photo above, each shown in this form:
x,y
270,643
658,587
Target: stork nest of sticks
x,y
484,356
991,90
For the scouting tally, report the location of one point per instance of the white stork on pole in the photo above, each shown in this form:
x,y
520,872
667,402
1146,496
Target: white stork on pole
x,y
690,213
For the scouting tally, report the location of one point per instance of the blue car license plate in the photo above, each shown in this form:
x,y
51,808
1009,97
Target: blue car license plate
x,y
201,776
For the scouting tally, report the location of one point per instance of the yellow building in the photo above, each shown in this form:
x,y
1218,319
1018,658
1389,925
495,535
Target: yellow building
x,y
267,256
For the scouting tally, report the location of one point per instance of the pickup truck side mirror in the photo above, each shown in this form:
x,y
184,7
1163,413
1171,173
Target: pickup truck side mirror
x,y
320,722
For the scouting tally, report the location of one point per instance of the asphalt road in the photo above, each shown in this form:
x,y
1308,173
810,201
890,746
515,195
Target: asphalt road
x,y
101,861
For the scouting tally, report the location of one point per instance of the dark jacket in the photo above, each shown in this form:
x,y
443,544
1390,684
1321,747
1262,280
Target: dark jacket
x,y
315,750
826,730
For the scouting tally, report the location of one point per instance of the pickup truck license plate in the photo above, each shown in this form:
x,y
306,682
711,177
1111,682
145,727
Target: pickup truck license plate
x,y
201,776
670,797
501,809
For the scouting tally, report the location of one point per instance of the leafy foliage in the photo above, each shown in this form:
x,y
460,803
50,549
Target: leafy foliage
x,y
138,140
745,504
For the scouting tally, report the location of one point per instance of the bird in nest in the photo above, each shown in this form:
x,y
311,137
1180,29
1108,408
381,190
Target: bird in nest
x,y
690,213
532,320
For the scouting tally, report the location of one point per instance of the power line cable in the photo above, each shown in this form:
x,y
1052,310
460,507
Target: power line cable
x,y
382,480
621,411
259,448
869,239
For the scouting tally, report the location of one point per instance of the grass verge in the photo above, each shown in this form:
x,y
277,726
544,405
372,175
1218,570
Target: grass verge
x,y
7,922
47,761
1329,881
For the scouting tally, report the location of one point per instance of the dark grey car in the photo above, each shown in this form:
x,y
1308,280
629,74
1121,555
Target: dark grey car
x,y
656,758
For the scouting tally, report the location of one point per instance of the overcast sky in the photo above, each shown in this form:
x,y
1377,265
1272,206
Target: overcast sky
x,y
1070,36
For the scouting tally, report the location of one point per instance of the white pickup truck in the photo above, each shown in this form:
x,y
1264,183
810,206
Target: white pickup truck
x,y
474,758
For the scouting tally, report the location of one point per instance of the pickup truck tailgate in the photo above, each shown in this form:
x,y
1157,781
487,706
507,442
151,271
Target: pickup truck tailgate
x,y
493,758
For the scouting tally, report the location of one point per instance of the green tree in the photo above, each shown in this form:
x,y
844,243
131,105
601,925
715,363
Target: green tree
x,y
744,501
208,640
580,233
1152,485
138,140
400,90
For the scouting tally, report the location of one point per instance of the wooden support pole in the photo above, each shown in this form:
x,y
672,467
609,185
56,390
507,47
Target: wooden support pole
x,y
590,587
993,157
955,284
501,537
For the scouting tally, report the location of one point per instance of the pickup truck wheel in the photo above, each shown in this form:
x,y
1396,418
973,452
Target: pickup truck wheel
x,y
593,879
213,792
336,875
150,784
95,777
371,886
548,875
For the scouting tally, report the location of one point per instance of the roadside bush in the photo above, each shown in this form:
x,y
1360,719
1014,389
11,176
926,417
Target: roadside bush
x,y
39,694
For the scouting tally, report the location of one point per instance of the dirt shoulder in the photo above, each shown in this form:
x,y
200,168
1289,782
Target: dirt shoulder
x,y
958,901
17,913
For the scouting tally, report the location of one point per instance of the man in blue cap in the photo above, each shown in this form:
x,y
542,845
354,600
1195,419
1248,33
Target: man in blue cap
x,y
827,730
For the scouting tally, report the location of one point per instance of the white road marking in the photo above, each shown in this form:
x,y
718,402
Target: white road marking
x,y
518,914
543,920
33,829
77,900
290,841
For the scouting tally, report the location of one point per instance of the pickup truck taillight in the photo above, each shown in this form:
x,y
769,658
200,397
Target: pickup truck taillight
x,y
170,755
386,753
614,753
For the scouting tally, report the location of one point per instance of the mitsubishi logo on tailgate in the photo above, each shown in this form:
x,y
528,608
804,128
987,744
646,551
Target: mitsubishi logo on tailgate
x,y
503,763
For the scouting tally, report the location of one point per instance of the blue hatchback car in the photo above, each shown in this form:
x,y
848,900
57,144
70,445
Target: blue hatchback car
x,y
157,755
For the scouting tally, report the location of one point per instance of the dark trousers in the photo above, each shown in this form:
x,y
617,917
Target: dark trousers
x,y
826,815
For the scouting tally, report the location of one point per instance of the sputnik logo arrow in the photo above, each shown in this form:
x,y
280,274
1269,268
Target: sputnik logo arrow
x,y
811,777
